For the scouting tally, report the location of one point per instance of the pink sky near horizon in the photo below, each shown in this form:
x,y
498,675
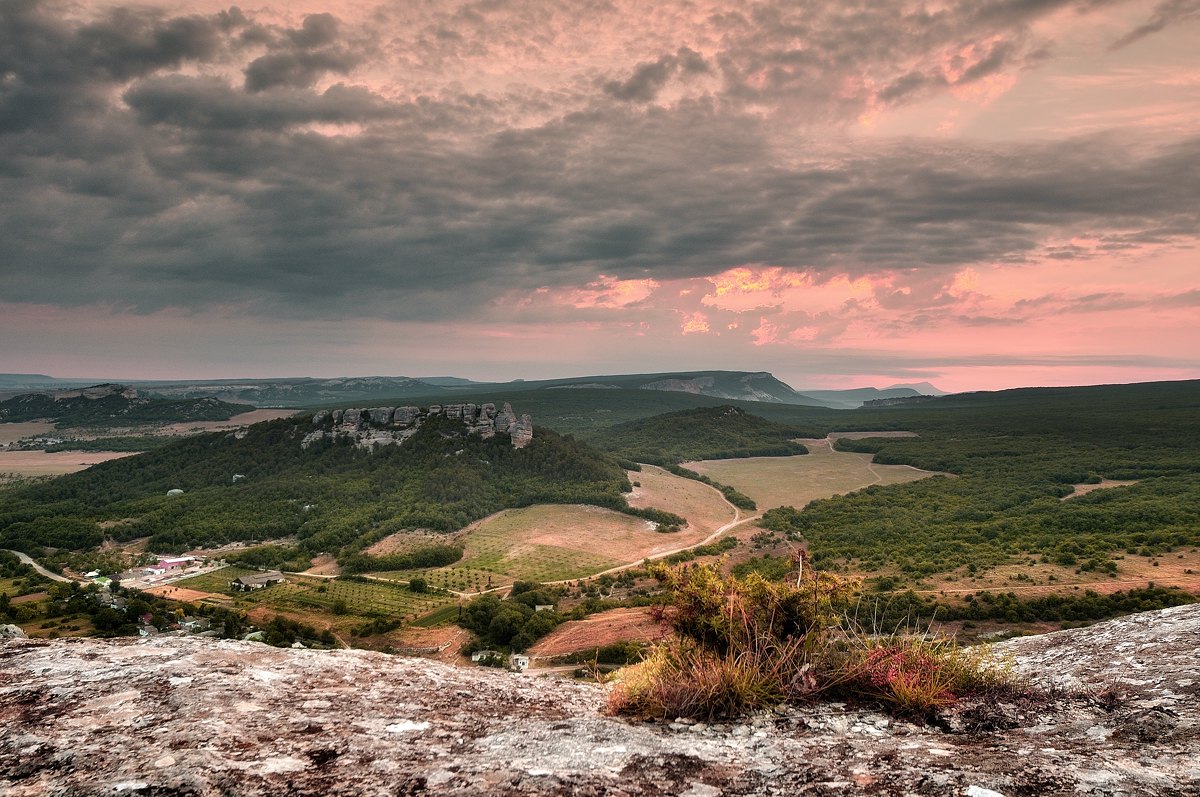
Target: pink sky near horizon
x,y
592,271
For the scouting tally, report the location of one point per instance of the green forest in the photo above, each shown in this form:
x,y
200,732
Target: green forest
x,y
1012,456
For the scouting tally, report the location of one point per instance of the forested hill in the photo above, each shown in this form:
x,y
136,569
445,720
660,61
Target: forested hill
x,y
113,405
1017,453
700,433
332,496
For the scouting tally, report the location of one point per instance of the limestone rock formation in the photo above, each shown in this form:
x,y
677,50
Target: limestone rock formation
x,y
522,432
393,425
194,716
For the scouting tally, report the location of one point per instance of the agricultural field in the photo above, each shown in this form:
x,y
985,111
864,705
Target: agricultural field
x,y
12,432
56,463
551,543
300,596
215,581
795,481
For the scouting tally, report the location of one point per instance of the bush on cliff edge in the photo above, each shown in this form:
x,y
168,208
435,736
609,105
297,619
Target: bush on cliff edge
x,y
747,643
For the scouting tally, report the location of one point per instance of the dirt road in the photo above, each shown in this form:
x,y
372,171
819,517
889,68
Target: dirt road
x,y
26,559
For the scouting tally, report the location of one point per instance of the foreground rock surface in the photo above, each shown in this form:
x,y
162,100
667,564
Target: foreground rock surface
x,y
191,716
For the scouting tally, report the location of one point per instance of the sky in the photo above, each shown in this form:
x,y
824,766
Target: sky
x,y
977,193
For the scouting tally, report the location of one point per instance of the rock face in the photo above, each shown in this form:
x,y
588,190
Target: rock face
x,y
381,426
193,716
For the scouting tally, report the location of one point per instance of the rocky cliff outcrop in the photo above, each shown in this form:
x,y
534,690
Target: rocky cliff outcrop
x,y
192,716
393,425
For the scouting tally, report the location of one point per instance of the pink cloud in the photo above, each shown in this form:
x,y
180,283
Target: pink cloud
x,y
694,323
611,293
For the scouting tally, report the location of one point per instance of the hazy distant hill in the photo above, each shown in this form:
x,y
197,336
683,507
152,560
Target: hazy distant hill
x,y
738,385
298,391
112,405
856,397
756,386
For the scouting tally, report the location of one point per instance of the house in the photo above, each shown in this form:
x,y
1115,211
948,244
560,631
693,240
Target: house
x,y
256,581
544,607
177,562
195,624
518,662
480,655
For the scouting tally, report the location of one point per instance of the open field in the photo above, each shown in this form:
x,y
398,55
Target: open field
x,y
794,481
705,509
42,463
12,432
245,419
605,628
185,594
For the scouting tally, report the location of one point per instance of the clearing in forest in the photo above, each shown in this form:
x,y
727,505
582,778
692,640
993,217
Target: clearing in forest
x,y
1103,484
795,481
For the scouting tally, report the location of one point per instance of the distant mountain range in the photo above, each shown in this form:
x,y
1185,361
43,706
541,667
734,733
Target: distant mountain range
x,y
759,386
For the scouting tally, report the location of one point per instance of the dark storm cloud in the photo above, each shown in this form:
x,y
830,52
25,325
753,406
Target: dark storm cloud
x,y
1168,12
154,187
212,104
52,70
303,56
648,79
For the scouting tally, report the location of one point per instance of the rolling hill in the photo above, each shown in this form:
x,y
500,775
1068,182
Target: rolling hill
x,y
721,432
329,495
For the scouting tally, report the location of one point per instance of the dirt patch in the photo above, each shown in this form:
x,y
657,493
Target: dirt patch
x,y
12,432
324,565
31,598
184,594
442,643
866,435
1103,484
795,481
705,509
605,628
42,463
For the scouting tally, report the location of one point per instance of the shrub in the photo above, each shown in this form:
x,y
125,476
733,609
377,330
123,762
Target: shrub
x,y
746,643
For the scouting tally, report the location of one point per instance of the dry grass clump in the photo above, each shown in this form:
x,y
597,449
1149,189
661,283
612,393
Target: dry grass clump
x,y
747,643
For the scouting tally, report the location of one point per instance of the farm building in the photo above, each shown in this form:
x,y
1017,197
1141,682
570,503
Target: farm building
x,y
256,581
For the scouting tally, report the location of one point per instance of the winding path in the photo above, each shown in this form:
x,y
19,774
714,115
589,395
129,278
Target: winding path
x,y
27,559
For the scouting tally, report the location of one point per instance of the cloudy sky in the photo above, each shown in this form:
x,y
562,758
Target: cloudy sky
x,y
979,193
